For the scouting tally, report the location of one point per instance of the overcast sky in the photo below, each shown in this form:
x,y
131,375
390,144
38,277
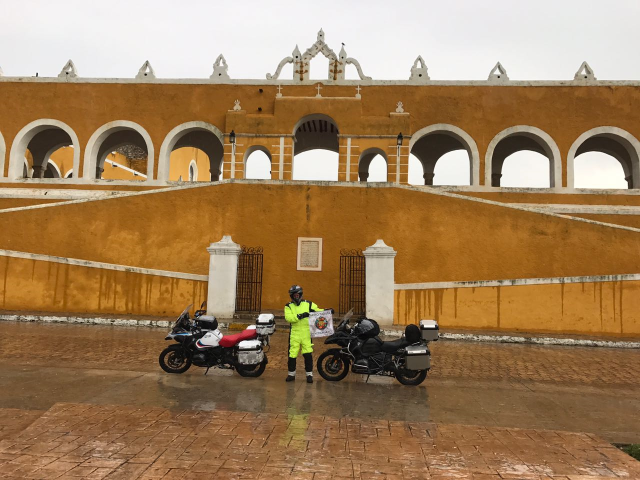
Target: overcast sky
x,y
459,40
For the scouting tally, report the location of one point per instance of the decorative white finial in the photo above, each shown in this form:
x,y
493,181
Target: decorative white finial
x,y
585,72
498,74
68,71
220,69
279,94
318,94
343,54
146,71
358,88
419,71
236,106
321,35
399,107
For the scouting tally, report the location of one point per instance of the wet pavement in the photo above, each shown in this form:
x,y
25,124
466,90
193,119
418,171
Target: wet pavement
x,y
492,389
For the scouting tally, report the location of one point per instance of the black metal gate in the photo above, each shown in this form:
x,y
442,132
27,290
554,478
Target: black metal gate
x,y
352,283
249,283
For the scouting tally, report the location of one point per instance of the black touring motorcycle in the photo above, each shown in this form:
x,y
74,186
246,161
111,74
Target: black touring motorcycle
x,y
407,359
200,343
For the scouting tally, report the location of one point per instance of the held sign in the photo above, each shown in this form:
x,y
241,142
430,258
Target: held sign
x,y
321,324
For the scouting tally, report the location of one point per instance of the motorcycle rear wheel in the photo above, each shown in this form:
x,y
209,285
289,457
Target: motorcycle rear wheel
x,y
332,366
411,377
173,359
252,370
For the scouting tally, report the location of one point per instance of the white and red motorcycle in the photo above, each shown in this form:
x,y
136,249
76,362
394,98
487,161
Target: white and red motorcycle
x,y
200,343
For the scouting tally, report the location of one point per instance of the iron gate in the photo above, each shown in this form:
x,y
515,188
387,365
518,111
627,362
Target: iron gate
x,y
249,283
352,283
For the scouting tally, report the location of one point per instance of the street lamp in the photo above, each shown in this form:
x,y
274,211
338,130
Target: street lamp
x,y
399,140
398,146
232,138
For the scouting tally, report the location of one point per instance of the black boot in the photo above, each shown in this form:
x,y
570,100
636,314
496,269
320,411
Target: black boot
x,y
291,366
308,366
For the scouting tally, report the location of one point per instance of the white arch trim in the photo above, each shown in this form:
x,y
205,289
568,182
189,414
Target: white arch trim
x,y
555,162
635,167
24,136
55,167
100,135
66,175
3,153
466,138
172,138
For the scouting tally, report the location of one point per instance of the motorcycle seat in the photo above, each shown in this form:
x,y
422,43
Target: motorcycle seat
x,y
232,340
394,346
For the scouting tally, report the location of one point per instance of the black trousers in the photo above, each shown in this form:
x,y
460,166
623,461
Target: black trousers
x,y
308,363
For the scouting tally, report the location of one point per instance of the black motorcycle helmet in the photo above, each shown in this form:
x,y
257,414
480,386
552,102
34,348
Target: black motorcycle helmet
x,y
292,291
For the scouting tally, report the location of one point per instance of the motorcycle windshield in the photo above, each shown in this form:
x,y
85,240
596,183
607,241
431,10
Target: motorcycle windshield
x,y
184,313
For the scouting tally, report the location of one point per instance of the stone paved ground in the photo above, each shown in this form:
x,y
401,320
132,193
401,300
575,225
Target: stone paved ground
x,y
73,441
138,348
91,402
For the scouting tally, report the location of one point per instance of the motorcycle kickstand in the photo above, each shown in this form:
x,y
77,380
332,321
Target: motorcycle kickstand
x,y
367,380
207,370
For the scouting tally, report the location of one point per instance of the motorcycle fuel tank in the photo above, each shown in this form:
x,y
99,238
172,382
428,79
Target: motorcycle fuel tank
x,y
210,340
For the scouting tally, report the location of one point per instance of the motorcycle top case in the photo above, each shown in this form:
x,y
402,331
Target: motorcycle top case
x,y
250,352
418,358
429,330
207,322
266,324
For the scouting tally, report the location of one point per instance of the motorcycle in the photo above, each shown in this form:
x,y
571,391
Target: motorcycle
x,y
408,359
200,343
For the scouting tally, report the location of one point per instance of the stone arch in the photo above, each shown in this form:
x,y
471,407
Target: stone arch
x,y
42,137
613,141
196,134
111,136
430,143
315,131
193,167
365,161
68,174
52,170
253,149
518,138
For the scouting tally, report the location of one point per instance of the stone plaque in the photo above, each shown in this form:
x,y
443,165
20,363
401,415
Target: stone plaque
x,y
310,254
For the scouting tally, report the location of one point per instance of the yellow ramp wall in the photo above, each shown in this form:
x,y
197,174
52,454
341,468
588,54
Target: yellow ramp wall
x,y
42,286
608,308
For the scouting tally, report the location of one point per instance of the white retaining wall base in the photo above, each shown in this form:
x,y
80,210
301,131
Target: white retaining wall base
x,y
470,337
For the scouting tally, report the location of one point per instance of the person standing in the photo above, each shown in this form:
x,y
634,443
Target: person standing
x,y
296,313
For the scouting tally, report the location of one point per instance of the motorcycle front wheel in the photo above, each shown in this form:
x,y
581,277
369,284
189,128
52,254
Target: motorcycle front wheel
x,y
252,370
332,366
174,359
411,377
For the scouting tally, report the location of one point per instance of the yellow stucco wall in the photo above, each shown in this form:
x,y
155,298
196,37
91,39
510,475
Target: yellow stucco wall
x,y
587,308
438,238
34,285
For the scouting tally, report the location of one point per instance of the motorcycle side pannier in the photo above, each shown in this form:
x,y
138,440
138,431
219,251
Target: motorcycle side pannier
x,y
429,330
207,322
266,324
250,352
418,358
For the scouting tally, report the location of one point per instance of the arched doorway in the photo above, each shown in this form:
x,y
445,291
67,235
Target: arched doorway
x,y
315,151
119,150
257,163
431,144
373,166
197,141
520,139
37,142
610,143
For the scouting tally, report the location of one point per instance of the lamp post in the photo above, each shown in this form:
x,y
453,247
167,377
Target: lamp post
x,y
398,145
232,141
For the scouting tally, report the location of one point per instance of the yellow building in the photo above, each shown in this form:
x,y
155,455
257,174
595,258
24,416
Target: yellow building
x,y
122,235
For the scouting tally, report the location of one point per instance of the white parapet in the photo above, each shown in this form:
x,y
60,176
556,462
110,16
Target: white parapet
x,y
380,265
223,273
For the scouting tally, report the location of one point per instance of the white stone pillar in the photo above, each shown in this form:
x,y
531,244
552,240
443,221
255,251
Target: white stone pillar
x,y
223,274
379,262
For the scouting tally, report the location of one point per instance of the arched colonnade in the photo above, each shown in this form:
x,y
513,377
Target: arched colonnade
x,y
229,159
